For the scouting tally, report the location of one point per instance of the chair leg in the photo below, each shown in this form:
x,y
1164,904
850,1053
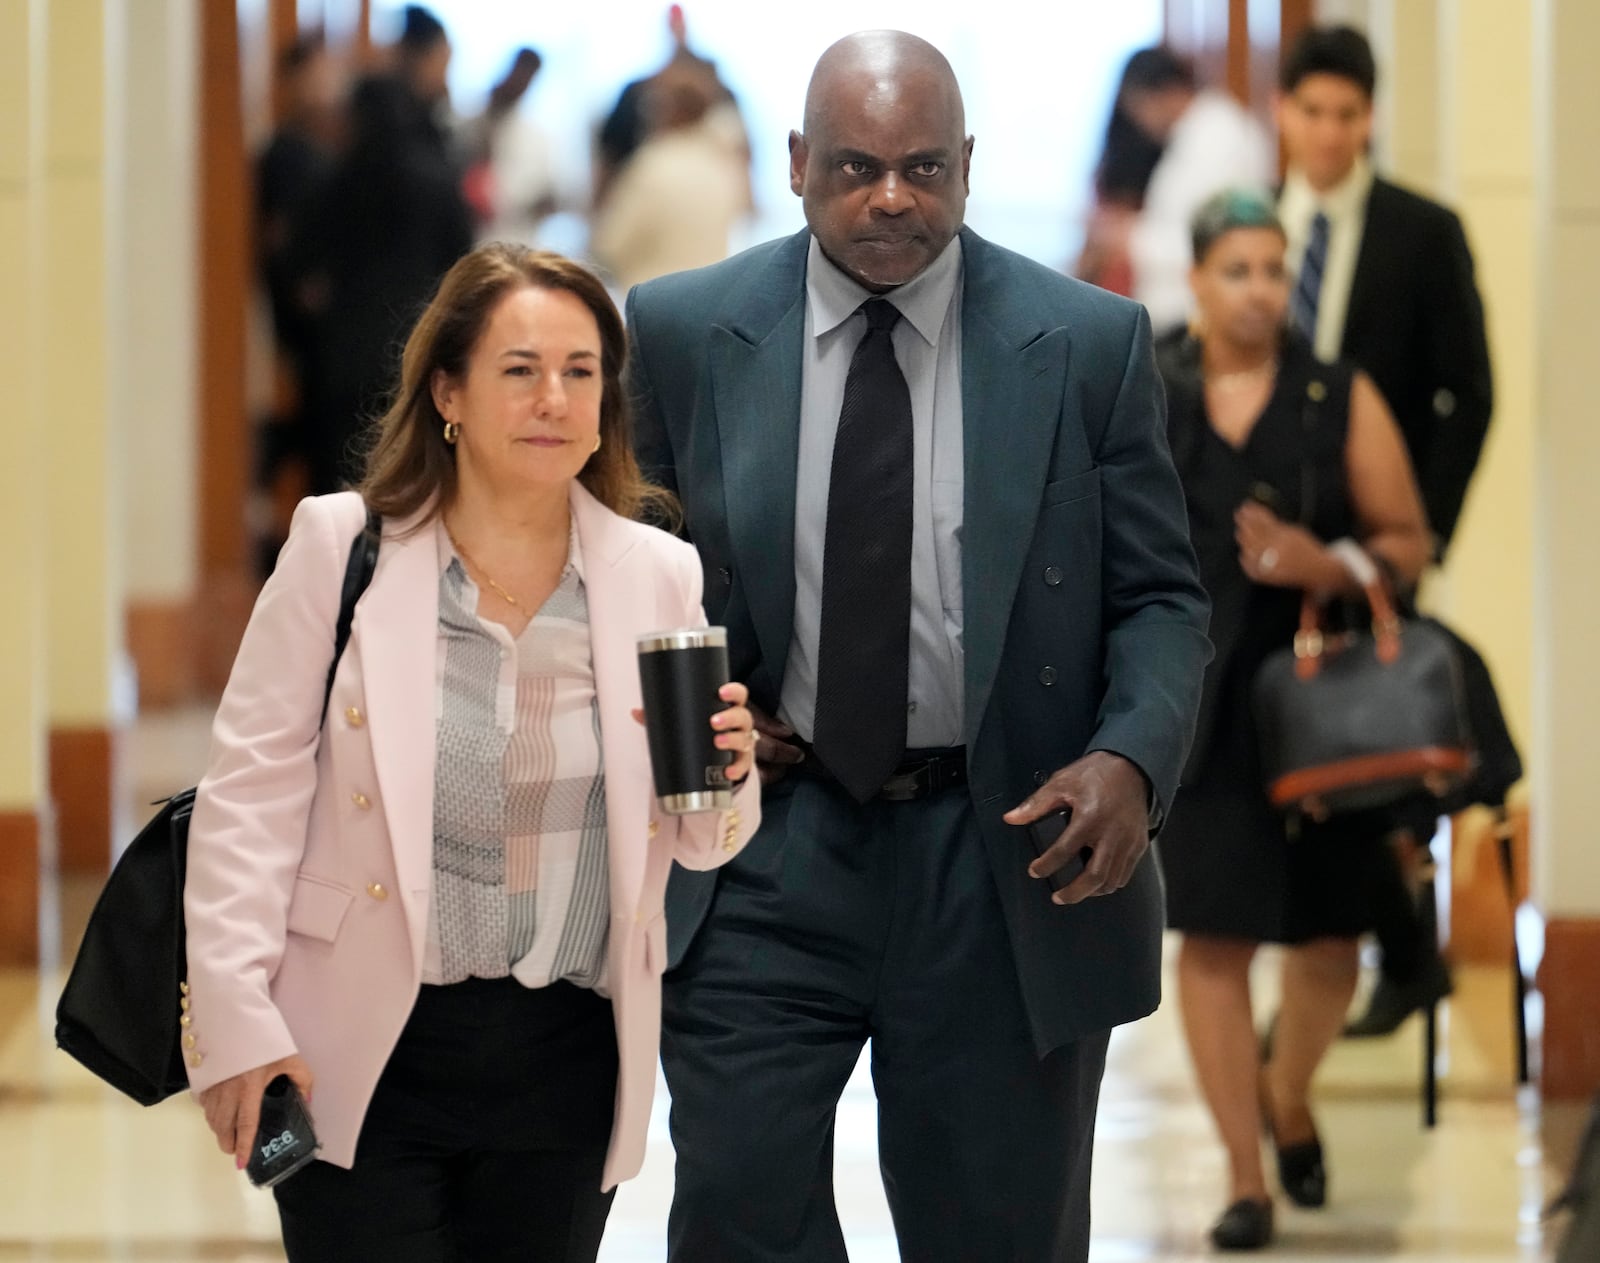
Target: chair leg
x,y
1519,983
1430,1067
1429,909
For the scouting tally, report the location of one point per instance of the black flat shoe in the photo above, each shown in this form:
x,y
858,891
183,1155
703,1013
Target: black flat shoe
x,y
1246,1225
1300,1171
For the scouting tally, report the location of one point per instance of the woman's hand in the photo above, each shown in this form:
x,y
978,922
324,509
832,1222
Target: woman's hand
x,y
233,1107
1283,554
736,730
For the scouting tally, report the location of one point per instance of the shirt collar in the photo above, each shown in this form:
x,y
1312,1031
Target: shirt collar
x,y
447,550
1341,201
924,300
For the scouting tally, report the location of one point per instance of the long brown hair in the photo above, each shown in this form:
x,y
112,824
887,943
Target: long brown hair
x,y
410,464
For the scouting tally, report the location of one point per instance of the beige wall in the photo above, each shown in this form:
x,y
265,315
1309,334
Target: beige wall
x,y
22,702
1568,467
1487,166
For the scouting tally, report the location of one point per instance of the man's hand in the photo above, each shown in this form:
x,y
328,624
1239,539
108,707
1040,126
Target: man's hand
x,y
233,1107
1109,797
774,755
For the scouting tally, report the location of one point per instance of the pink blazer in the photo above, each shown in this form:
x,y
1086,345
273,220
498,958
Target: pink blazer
x,y
311,855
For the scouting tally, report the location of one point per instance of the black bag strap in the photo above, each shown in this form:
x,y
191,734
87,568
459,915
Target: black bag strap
x,y
363,560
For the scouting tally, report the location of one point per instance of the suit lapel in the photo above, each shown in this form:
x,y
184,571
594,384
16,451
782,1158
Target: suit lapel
x,y
1013,370
1366,285
755,359
398,667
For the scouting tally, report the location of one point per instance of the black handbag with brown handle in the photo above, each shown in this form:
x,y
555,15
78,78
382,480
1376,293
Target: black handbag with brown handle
x,y
1362,719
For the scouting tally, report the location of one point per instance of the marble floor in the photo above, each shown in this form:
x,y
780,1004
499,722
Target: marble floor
x,y
86,1175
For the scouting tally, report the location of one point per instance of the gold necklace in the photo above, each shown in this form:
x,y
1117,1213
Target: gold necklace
x,y
488,578
1228,380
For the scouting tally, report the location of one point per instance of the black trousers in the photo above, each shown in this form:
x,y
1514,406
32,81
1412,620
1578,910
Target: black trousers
x,y
836,925
484,1141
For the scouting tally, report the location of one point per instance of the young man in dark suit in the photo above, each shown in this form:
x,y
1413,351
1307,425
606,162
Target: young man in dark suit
x,y
1383,276
930,487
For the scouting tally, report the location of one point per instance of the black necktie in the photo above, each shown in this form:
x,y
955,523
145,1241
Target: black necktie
x,y
864,650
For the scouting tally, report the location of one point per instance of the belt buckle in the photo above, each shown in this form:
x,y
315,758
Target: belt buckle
x,y
904,787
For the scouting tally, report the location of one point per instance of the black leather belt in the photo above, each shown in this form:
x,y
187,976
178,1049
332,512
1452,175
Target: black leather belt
x,y
923,773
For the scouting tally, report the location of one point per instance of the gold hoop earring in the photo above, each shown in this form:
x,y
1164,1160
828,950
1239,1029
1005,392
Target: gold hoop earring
x,y
452,431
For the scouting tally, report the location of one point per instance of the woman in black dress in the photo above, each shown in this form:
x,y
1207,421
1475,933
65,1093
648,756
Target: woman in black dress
x,y
1281,456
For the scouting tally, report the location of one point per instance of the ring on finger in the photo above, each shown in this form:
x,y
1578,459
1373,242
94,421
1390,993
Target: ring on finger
x,y
1268,559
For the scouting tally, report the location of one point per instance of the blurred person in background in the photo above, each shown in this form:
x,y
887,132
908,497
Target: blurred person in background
x,y
1128,158
368,251
629,123
437,908
289,170
1384,278
421,61
1210,142
512,179
675,204
1254,420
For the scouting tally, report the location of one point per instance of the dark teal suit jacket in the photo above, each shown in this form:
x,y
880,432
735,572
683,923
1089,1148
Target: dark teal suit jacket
x,y
1084,618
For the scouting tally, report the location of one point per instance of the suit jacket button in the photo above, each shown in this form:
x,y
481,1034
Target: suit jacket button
x,y
1052,576
361,800
1040,777
195,1059
377,891
189,1041
354,717
726,575
655,828
1047,677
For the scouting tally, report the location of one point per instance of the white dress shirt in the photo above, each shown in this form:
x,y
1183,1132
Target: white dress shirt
x,y
1345,205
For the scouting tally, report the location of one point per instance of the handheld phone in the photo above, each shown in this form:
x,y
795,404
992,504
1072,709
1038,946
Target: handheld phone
x,y
1044,832
285,1141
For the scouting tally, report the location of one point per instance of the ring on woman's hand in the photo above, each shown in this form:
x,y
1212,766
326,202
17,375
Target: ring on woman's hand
x,y
1268,559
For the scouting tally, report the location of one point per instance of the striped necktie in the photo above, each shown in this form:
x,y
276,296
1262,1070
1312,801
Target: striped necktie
x,y
1308,286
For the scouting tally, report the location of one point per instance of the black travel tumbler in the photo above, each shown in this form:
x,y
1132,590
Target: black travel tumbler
x,y
679,675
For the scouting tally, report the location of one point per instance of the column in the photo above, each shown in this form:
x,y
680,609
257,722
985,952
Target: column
x,y
154,344
83,580
22,639
1567,516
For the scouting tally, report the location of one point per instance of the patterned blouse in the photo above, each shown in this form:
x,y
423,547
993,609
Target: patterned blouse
x,y
520,878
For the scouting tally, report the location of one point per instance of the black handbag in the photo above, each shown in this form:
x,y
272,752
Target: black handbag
x,y
1365,719
121,1011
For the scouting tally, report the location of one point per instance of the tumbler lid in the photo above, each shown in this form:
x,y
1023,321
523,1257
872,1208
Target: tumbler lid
x,y
684,638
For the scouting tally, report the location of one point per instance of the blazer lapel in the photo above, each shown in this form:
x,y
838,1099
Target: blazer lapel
x,y
755,359
1013,371
620,604
1366,286
398,668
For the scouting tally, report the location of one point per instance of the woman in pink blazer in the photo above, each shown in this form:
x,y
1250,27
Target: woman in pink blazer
x,y
439,911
